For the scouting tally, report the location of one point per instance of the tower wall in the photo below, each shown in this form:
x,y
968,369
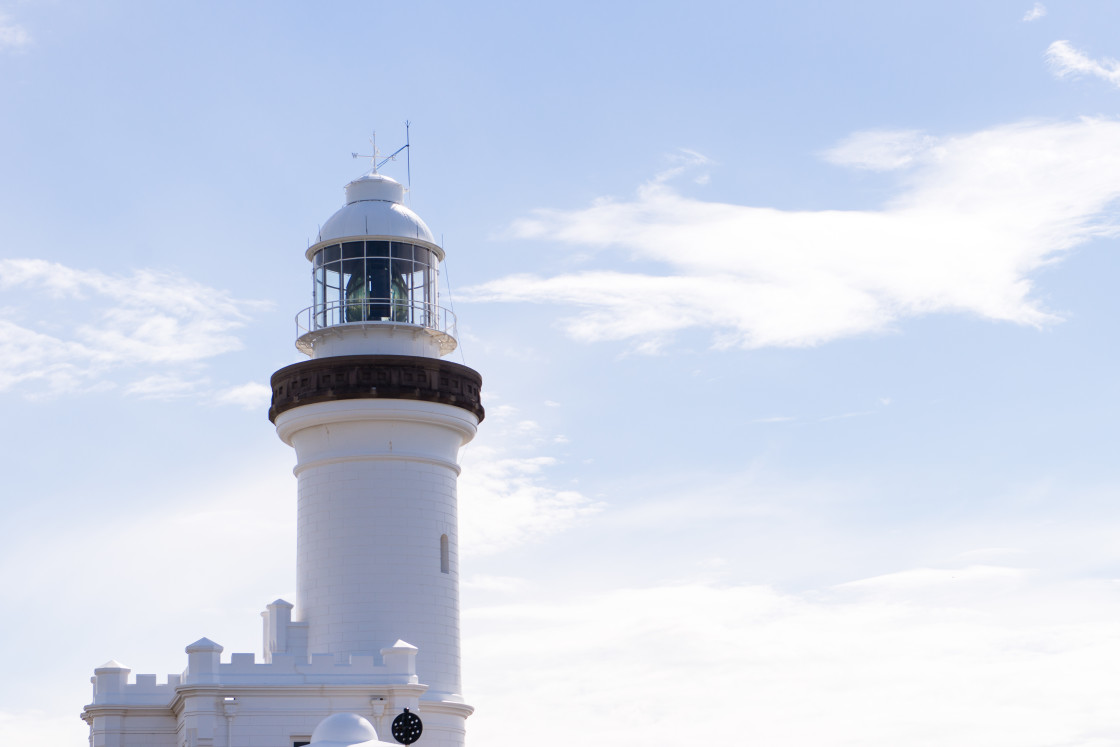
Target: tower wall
x,y
377,492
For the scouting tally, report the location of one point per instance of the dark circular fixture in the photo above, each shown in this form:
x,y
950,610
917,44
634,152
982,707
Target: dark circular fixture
x,y
407,727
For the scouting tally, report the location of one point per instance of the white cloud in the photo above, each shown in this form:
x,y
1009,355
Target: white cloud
x,y
929,578
161,387
505,501
13,36
236,539
501,584
1065,60
505,495
1038,11
683,160
38,727
66,328
249,396
527,427
846,415
1014,667
31,355
500,412
176,526
883,150
974,217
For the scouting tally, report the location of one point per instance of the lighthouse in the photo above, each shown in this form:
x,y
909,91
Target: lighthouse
x,y
376,417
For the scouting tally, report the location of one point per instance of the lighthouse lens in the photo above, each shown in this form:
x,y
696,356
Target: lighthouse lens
x,y
373,281
377,294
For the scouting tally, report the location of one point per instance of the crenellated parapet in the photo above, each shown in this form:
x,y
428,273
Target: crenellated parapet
x,y
398,668
211,700
111,685
205,668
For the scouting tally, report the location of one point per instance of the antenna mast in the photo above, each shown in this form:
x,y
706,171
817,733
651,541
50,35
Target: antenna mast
x,y
391,157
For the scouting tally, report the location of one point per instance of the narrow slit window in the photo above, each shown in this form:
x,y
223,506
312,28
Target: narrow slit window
x,y
444,555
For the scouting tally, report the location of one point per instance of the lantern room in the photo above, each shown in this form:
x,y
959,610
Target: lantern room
x,y
375,280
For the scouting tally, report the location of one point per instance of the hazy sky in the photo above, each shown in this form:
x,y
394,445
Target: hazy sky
x,y
795,320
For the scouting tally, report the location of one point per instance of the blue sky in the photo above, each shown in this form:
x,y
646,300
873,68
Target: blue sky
x,y
795,321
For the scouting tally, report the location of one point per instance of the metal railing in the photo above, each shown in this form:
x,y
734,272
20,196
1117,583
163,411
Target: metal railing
x,y
376,311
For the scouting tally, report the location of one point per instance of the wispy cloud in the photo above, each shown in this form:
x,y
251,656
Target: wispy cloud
x,y
1036,12
161,386
41,727
973,216
159,534
884,150
1066,60
499,584
506,493
935,578
248,396
66,329
13,36
838,666
507,501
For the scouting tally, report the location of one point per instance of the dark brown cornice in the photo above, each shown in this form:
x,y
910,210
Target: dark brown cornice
x,y
376,377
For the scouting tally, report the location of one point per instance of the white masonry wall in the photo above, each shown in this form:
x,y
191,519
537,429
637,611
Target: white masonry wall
x,y
377,482
246,703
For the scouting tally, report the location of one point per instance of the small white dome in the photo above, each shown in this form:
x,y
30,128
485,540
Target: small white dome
x,y
374,207
344,730
374,187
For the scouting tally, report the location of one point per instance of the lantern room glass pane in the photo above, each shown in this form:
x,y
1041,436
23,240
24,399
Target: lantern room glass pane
x,y
320,295
378,281
333,286
402,251
356,288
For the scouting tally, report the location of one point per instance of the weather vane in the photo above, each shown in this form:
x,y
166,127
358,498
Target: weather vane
x,y
374,163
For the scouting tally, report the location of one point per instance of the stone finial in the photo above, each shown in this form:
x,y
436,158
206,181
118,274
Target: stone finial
x,y
400,658
203,660
204,644
111,666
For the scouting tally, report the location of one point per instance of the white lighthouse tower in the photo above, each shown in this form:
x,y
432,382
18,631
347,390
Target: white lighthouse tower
x,y
376,418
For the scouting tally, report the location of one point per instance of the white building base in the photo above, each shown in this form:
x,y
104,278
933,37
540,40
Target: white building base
x,y
245,703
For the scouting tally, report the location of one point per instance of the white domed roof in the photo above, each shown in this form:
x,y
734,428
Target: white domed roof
x,y
374,207
344,730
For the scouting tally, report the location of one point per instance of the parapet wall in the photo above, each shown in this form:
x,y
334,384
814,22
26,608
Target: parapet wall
x,y
111,683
